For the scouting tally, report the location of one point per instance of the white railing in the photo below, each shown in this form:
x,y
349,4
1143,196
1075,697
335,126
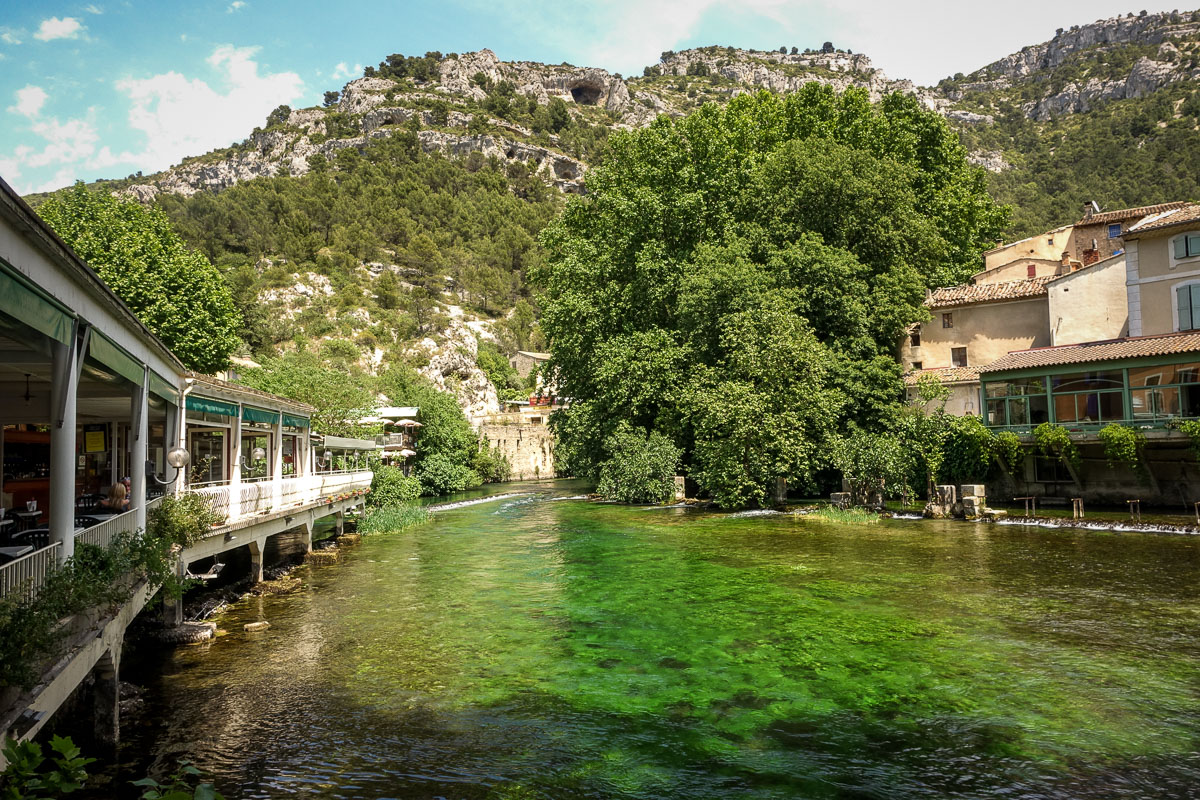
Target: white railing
x,y
101,534
24,576
260,497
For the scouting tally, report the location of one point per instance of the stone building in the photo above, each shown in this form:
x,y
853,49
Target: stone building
x,y
1100,234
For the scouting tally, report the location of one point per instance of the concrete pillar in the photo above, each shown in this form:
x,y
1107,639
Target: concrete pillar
x,y
235,467
256,559
277,465
140,431
106,697
307,528
170,439
63,401
172,613
340,516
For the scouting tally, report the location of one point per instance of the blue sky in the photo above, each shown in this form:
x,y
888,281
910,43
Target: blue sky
x,y
111,87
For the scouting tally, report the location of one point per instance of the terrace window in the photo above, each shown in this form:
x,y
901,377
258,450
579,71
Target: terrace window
x,y
1020,402
1171,390
1088,396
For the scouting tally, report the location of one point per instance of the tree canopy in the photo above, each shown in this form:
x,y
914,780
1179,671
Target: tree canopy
x,y
173,289
738,280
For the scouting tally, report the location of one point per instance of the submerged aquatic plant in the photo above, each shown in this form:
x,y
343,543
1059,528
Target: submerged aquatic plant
x,y
845,516
393,519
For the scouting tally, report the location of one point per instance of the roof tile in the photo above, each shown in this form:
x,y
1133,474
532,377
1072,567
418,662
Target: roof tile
x,y
1105,217
1109,350
969,293
944,374
1179,216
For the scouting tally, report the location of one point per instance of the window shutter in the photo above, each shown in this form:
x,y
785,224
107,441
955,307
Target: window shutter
x,y
1193,244
1181,247
1183,303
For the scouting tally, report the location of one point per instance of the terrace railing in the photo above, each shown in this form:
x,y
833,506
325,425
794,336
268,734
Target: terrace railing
x,y
23,577
266,497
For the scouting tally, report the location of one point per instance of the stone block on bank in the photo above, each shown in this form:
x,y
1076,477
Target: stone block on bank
x,y
973,490
840,499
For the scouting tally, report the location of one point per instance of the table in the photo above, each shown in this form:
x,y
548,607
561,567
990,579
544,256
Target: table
x,y
16,551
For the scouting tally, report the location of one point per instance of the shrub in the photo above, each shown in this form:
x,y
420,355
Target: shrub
x,y
30,775
639,468
393,519
968,450
1055,442
441,474
1008,450
1122,445
491,465
873,462
390,486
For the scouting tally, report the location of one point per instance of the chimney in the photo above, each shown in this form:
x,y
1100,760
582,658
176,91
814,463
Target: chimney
x,y
1090,208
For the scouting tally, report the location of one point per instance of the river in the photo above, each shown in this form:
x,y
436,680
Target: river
x,y
547,647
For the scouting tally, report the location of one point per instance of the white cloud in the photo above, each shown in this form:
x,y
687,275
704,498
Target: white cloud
x,y
183,116
29,101
235,6
10,36
55,28
343,71
93,9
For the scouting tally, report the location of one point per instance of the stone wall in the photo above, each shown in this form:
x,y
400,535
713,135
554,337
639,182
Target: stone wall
x,y
529,448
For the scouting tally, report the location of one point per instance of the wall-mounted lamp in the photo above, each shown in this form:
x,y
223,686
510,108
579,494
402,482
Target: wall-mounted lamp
x,y
325,460
256,455
178,458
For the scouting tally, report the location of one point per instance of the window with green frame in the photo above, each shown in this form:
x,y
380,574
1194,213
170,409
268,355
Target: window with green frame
x,y
1169,390
1187,303
1019,402
1187,245
1086,397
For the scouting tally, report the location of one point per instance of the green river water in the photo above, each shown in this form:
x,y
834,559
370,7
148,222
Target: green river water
x,y
546,647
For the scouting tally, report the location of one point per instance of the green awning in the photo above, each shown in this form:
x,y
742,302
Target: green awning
x,y
104,350
21,301
251,414
295,422
209,406
163,388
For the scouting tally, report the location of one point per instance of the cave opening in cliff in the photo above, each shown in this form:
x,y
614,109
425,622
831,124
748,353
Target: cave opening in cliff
x,y
586,95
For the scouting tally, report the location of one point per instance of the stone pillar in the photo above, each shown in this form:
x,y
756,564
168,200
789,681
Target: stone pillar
x,y
341,522
307,527
63,402
680,491
780,491
256,559
172,612
140,430
106,697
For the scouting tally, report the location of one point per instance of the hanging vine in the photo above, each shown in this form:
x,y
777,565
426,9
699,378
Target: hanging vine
x,y
1123,446
1054,441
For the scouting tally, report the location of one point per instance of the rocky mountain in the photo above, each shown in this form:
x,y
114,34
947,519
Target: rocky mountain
x,y
1107,111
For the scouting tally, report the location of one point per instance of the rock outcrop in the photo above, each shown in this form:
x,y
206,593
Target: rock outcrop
x,y
451,367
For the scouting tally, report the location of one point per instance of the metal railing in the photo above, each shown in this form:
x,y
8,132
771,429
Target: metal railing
x,y
101,535
24,576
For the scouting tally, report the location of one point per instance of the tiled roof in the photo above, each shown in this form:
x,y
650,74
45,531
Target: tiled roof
x,y
1179,216
1109,350
1105,217
945,375
535,356
968,293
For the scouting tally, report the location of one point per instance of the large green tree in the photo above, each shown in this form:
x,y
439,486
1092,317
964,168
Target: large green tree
x,y
180,296
738,279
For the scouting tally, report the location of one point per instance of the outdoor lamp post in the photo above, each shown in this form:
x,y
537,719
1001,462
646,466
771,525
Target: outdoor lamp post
x,y
177,458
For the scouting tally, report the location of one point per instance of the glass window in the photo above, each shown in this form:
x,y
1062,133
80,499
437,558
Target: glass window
x,y
1187,245
1039,409
1114,231
252,467
1153,403
1164,375
1018,411
208,456
947,320
916,365
995,412
958,356
914,338
1187,302
1082,381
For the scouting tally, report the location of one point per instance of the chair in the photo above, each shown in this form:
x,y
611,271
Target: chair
x,y
85,521
37,537
88,502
